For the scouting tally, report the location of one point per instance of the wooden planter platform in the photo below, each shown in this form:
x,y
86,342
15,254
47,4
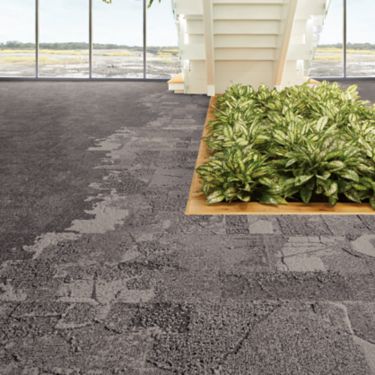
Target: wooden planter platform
x,y
197,204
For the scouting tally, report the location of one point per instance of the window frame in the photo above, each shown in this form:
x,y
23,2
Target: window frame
x,y
91,29
345,75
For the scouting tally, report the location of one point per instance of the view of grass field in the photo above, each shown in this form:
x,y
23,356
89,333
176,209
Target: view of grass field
x,y
118,40
328,61
359,34
162,62
117,33
108,62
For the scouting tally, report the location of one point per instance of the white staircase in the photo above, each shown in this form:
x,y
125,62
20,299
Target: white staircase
x,y
255,42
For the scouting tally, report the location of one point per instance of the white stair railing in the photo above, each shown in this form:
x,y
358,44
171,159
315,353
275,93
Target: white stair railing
x,y
285,42
214,33
209,45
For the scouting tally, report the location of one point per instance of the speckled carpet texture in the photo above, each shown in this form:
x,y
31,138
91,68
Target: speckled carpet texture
x,y
101,272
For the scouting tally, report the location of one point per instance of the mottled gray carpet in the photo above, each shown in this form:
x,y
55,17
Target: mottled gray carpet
x,y
102,273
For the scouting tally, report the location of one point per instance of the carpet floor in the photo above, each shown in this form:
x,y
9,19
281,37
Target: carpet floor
x,y
102,273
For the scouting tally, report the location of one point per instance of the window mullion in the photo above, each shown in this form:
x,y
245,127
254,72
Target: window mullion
x,y
90,38
37,39
345,30
144,39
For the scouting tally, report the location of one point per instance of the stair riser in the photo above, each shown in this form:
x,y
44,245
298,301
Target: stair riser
x,y
245,54
248,44
242,27
247,12
253,72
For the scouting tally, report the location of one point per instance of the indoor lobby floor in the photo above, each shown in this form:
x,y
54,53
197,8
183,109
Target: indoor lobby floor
x,y
102,273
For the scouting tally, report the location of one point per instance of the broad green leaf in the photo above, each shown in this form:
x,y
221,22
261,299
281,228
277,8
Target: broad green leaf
x,y
322,122
300,180
350,175
269,199
332,189
360,187
244,197
290,163
353,196
265,143
325,176
306,193
215,197
333,200
336,165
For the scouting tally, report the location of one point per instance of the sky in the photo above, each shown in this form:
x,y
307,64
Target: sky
x,y
360,22
121,22
67,21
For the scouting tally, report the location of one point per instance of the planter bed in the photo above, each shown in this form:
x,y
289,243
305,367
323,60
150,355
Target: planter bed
x,y
197,202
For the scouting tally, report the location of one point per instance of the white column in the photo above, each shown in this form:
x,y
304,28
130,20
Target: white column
x,y
209,45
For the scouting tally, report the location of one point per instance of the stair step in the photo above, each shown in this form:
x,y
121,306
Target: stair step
x,y
247,12
260,27
194,52
243,41
247,35
231,72
178,78
195,26
176,84
189,7
177,89
245,54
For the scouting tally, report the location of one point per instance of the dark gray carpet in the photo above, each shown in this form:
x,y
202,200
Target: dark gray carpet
x,y
102,273
366,88
45,168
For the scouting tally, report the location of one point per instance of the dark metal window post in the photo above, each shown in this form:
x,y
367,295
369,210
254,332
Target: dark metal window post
x,y
144,39
90,6
36,38
91,47
345,30
90,39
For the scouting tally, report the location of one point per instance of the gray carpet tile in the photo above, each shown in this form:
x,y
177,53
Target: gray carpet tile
x,y
102,273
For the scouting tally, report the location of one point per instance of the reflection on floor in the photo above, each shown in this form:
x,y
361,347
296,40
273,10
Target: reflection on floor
x,y
103,274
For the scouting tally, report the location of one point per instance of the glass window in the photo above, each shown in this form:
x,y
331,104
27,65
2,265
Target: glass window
x,y
118,39
361,38
17,38
63,38
328,59
162,43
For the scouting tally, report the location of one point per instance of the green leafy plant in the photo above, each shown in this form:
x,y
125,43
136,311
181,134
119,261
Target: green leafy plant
x,y
299,144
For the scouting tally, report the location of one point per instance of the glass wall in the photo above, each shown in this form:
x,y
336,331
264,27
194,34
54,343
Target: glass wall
x,y
87,38
17,38
127,41
361,38
162,50
329,59
118,39
63,38
359,51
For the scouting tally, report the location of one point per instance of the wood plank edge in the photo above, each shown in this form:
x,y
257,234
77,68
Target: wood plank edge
x,y
201,151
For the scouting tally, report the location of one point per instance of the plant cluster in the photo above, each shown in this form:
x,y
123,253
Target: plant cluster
x,y
302,143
